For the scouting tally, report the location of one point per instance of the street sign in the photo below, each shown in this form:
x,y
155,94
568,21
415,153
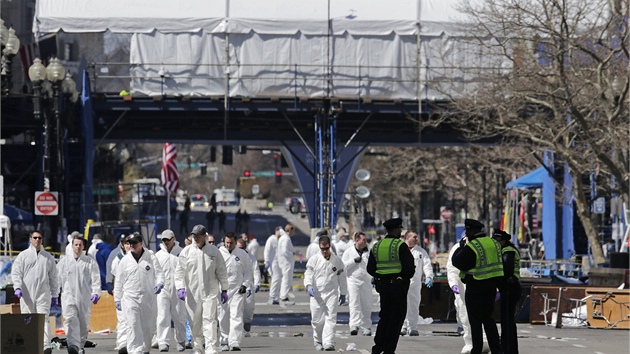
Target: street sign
x,y
599,205
46,203
265,173
255,189
445,214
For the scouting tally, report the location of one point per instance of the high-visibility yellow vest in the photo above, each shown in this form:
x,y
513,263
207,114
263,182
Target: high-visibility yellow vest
x,y
489,263
387,255
517,260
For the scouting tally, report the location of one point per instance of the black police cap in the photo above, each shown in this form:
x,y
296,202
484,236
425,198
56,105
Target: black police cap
x,y
500,234
135,238
393,223
473,224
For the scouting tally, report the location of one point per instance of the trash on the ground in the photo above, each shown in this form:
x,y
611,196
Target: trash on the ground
x,y
351,347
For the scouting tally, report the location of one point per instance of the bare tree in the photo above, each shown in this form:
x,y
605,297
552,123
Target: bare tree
x,y
564,87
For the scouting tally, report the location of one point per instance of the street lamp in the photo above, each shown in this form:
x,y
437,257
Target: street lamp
x,y
10,47
53,76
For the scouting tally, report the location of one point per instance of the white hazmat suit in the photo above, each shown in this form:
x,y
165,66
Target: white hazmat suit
x,y
250,302
35,274
452,274
271,262
286,262
202,272
359,289
169,307
78,278
121,325
328,279
135,289
239,271
422,261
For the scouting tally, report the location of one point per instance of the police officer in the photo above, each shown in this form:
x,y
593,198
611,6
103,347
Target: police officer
x,y
392,266
510,291
479,260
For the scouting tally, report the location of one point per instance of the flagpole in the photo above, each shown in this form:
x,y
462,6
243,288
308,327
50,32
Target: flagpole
x,y
168,208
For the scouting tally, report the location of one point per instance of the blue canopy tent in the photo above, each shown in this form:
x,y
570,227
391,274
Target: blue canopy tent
x,y
555,247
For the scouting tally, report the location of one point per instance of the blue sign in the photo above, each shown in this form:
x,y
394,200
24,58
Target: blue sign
x,y
599,205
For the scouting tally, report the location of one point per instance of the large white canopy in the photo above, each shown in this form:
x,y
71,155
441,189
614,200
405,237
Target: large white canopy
x,y
400,49
375,17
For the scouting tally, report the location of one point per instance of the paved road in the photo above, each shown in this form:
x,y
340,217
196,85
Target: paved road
x,y
279,330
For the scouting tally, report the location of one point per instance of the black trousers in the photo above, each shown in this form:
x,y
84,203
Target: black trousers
x,y
479,304
392,315
509,299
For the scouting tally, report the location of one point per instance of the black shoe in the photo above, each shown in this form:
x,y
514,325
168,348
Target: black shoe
x,y
47,351
235,349
354,331
122,350
73,349
247,327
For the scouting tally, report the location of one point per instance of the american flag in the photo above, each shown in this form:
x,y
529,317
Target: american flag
x,y
44,49
170,175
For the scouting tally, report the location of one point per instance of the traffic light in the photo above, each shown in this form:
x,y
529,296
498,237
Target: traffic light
x,y
242,149
247,173
283,162
278,177
204,169
227,154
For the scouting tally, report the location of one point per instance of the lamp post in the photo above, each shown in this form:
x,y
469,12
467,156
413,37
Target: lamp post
x,y
10,47
53,79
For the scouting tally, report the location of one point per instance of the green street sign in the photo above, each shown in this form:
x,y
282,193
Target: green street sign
x,y
265,173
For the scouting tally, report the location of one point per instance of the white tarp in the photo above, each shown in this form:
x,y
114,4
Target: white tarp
x,y
278,48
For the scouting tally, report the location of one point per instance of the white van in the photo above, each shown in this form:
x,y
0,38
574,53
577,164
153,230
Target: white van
x,y
226,197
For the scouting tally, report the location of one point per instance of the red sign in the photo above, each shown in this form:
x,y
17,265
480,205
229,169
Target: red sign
x,y
445,214
46,203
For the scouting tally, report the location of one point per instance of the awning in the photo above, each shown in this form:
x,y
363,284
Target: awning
x,y
533,179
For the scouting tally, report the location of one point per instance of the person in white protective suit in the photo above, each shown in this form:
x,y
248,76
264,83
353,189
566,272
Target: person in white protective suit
x,y
239,271
96,239
326,284
74,234
272,268
169,307
422,261
286,262
200,278
459,290
342,243
253,246
313,247
121,325
139,278
250,302
359,286
35,281
80,282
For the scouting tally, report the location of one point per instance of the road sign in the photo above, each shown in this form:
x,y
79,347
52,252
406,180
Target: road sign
x,y
265,173
255,189
46,203
445,214
599,205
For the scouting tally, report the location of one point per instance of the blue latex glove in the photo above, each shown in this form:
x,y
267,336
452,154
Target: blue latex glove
x,y
428,282
267,267
54,301
118,307
310,290
110,288
158,288
181,294
248,293
224,297
342,299
94,298
497,297
257,288
455,289
18,293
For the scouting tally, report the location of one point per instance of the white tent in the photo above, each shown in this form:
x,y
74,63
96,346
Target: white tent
x,y
277,48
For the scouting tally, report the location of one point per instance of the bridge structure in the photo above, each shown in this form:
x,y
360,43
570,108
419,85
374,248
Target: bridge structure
x,y
323,79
